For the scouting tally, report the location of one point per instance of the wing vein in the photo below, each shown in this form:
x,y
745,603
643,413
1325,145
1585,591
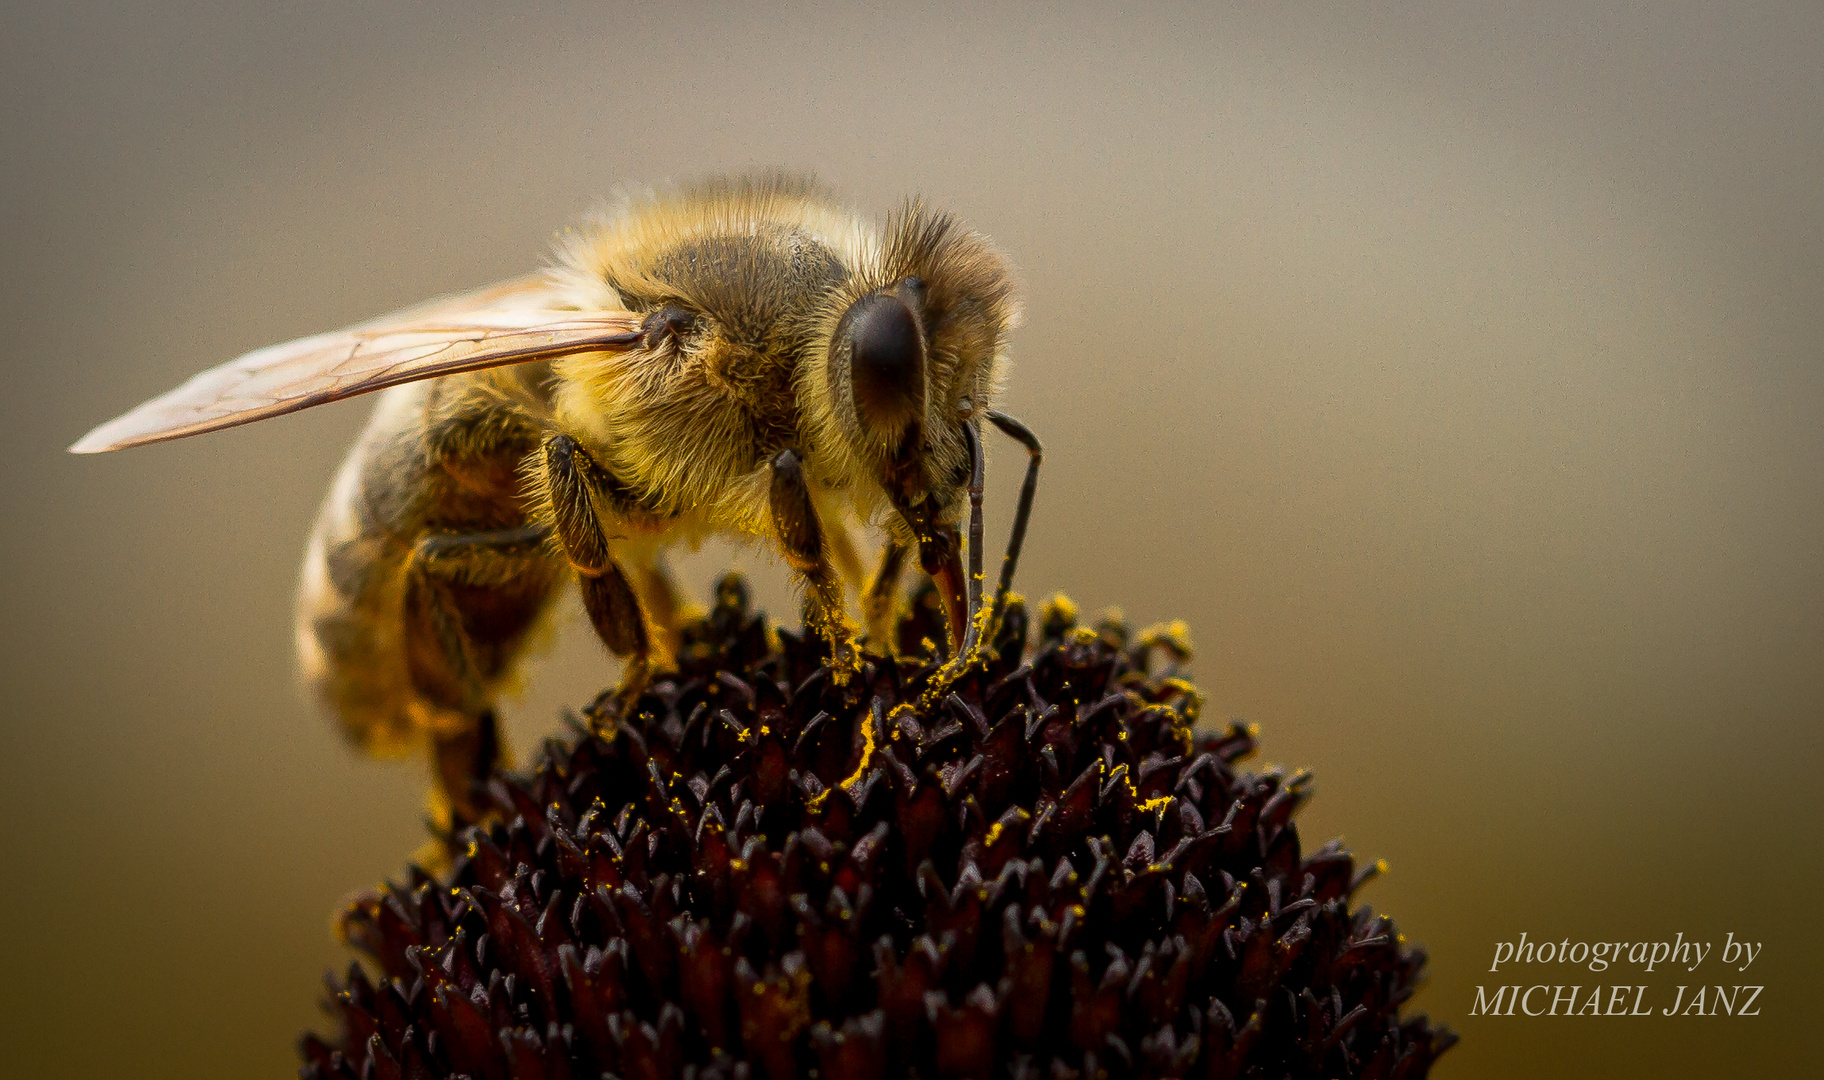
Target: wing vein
x,y
467,332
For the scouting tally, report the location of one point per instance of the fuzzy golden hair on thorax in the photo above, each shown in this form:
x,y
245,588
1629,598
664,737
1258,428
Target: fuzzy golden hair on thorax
x,y
612,255
736,268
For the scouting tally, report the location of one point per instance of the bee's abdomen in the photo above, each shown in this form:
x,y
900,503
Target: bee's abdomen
x,y
350,632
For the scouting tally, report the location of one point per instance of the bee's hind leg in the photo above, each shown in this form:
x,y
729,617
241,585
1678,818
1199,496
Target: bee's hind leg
x,y
802,539
470,599
461,760
578,485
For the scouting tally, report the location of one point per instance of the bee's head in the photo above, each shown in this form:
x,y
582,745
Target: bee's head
x,y
915,350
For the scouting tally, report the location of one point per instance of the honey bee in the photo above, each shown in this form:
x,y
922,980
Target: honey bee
x,y
743,357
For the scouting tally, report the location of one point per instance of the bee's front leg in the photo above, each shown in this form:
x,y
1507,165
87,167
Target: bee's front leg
x,y
801,538
578,487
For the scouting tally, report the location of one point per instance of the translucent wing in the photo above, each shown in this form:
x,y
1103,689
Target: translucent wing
x,y
508,323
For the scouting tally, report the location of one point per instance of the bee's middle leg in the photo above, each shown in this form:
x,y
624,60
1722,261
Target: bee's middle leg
x,y
880,598
801,537
664,604
578,487
470,599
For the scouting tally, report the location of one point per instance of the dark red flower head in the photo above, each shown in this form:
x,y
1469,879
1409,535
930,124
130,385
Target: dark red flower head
x,y
1043,871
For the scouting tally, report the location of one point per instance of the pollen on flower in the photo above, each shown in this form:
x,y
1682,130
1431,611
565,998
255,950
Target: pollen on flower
x,y
1045,873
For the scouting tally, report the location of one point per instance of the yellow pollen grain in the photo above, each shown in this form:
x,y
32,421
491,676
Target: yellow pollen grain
x,y
867,753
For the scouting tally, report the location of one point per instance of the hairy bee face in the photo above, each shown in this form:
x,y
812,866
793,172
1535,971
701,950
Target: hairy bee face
x,y
913,357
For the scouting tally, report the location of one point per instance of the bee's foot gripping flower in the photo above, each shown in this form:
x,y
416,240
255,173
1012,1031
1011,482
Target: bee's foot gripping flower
x,y
1046,874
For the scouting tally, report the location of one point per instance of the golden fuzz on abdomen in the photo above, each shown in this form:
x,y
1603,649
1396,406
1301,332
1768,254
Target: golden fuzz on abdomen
x,y
349,633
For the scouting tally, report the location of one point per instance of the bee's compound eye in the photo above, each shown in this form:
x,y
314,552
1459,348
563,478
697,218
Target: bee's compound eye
x,y
886,361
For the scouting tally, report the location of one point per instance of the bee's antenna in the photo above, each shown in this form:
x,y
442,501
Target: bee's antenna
x,y
1020,432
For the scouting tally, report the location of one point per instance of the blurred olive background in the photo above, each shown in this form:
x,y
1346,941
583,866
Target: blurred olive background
x,y
1456,374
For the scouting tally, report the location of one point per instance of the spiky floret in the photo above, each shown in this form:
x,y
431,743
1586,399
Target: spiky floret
x,y
1050,873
